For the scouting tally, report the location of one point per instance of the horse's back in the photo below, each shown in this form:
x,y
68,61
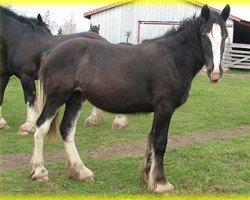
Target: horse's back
x,y
92,35
88,35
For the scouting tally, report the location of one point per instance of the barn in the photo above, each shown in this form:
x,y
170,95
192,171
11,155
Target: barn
x,y
136,20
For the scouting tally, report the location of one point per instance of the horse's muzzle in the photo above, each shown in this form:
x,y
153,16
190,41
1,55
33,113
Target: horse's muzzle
x,y
215,77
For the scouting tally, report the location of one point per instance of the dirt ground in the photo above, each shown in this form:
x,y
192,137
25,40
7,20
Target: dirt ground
x,y
133,149
238,75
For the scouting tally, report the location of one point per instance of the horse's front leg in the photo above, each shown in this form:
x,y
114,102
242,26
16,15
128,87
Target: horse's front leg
x,y
152,170
29,89
37,170
4,79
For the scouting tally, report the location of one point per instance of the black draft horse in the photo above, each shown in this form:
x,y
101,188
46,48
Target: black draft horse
x,y
22,42
14,29
154,76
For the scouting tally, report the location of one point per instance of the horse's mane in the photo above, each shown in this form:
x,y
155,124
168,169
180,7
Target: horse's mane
x,y
190,27
20,18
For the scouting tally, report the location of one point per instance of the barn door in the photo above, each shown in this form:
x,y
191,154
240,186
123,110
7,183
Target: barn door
x,y
150,29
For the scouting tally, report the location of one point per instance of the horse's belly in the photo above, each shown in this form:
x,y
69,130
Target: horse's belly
x,y
118,92
123,109
120,102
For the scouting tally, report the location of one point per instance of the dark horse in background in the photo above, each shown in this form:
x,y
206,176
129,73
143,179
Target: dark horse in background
x,y
22,41
94,28
10,43
154,76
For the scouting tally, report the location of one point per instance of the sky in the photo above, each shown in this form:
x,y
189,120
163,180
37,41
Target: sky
x,y
60,13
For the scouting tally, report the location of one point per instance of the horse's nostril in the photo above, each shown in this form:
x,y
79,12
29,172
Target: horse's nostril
x,y
209,71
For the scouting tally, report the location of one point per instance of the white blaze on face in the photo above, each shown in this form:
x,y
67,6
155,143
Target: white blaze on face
x,y
215,38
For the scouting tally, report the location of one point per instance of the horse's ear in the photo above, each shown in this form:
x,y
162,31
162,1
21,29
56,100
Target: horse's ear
x,y
205,12
39,18
226,12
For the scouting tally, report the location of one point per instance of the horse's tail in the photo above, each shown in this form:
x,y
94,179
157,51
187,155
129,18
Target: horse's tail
x,y
42,96
53,127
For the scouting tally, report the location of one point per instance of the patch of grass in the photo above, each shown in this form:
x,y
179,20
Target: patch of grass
x,y
215,167
214,106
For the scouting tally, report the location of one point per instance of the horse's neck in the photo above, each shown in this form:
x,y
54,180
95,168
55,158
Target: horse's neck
x,y
11,27
20,39
187,56
12,32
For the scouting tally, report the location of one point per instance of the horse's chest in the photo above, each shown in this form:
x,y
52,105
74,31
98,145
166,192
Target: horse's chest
x,y
183,97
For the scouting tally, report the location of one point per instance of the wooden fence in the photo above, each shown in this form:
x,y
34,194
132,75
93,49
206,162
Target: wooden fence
x,y
237,56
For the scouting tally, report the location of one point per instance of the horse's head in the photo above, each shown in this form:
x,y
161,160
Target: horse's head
x,y
213,34
42,25
94,28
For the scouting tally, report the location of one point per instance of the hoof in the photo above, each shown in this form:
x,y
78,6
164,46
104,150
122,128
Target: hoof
x,y
81,173
39,174
119,122
166,189
3,124
117,126
26,128
93,121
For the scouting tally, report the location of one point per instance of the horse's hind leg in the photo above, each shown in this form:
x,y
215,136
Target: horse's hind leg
x,y
38,171
29,89
95,118
4,79
120,121
77,169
